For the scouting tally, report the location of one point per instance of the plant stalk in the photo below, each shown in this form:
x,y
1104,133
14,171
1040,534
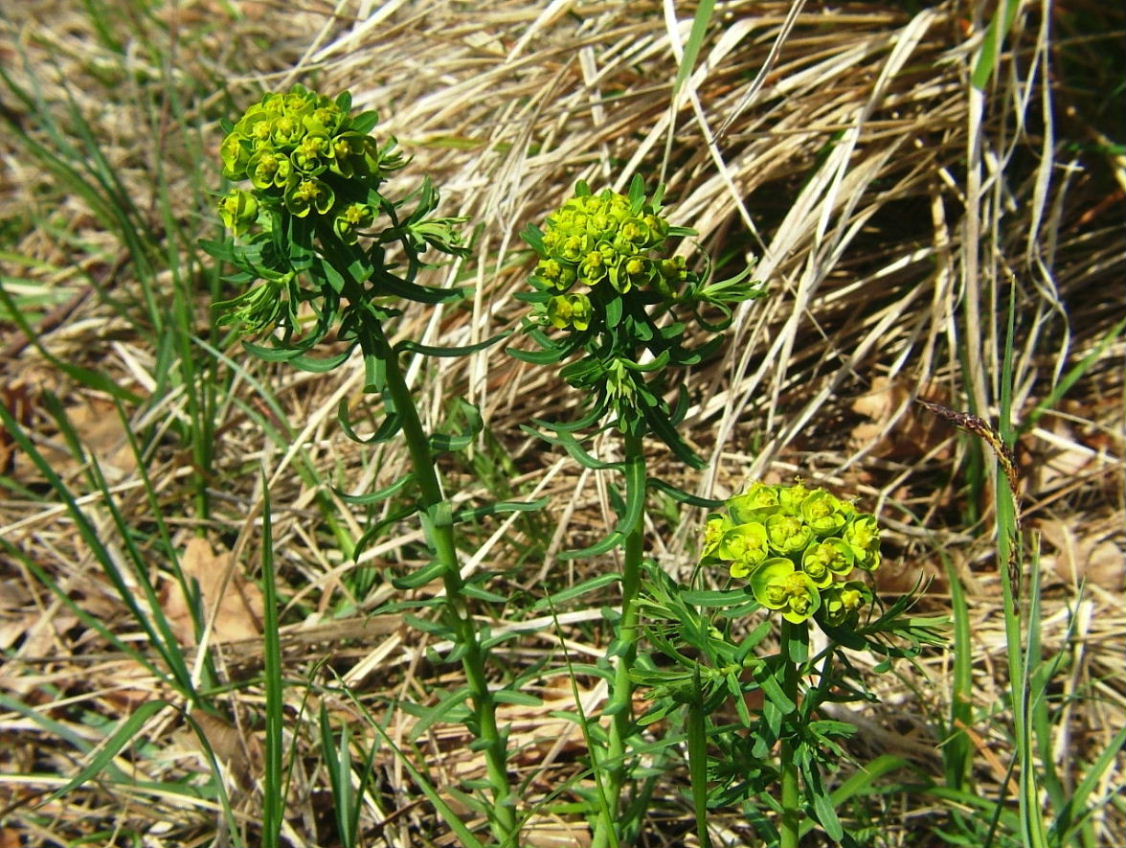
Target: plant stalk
x,y
625,647
438,525
790,823
698,763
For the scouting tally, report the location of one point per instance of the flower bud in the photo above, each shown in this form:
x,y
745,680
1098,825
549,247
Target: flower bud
x,y
351,220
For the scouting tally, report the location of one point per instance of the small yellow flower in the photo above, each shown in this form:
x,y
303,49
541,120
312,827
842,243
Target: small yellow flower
x,y
778,586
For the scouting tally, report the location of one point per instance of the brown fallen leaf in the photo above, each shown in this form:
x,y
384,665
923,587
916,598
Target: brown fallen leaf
x,y
898,429
17,400
103,436
1095,557
1056,454
239,602
242,753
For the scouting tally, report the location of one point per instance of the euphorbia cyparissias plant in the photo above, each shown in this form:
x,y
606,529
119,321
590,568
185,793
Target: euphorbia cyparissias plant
x,y
314,232
801,553
610,296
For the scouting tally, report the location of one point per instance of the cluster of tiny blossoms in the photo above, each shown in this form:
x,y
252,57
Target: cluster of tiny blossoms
x,y
305,153
797,547
602,240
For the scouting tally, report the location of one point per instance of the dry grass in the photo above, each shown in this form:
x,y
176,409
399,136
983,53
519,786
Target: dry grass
x,y
891,207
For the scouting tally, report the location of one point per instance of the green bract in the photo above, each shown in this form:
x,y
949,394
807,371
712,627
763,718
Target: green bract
x,y
863,536
756,504
745,547
796,547
777,585
239,210
609,291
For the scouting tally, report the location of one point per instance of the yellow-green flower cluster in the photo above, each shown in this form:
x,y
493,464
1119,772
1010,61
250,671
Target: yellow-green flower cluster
x,y
797,547
306,153
598,240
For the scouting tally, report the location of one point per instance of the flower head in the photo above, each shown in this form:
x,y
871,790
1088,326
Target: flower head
x,y
796,547
863,536
352,219
843,602
609,296
603,239
745,547
307,155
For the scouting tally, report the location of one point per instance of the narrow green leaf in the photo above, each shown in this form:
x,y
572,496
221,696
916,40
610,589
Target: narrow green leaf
x,y
533,235
446,443
387,429
714,597
569,443
499,508
767,678
695,41
338,762
464,350
273,792
472,591
523,699
464,834
379,494
681,496
608,544
536,357
421,577
999,27
613,312
577,591
1061,387
434,628
319,364
957,750
92,379
439,712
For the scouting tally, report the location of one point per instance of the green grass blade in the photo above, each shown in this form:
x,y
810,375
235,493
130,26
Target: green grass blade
x,y
125,733
1074,374
84,376
1033,831
338,761
1023,656
695,41
957,749
273,802
999,27
58,730
1074,811
159,634
464,834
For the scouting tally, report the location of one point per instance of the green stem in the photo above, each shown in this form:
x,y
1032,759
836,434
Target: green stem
x,y
609,828
438,524
698,764
791,798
